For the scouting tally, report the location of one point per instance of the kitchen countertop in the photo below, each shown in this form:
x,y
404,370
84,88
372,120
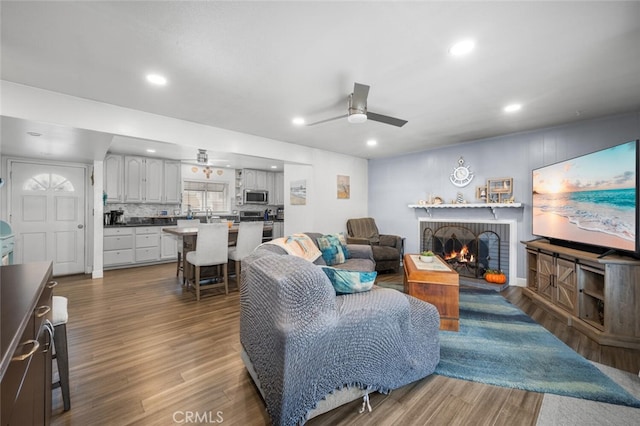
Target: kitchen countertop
x,y
171,220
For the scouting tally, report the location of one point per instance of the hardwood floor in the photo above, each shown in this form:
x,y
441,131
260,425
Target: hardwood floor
x,y
143,351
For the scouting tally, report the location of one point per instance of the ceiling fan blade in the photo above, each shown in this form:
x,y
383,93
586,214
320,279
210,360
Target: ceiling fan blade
x,y
360,94
386,119
328,119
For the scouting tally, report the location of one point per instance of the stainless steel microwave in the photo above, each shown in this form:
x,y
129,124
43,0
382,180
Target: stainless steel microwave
x,y
256,196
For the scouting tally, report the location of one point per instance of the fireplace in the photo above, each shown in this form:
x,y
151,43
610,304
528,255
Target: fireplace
x,y
470,248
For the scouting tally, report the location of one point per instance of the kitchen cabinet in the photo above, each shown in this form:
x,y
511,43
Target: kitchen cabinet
x,y
168,246
278,189
143,179
271,184
255,179
250,178
133,179
172,182
118,246
25,362
131,246
147,244
153,180
278,230
113,178
261,179
598,296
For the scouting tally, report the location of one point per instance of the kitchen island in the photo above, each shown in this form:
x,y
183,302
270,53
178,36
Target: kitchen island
x,y
189,237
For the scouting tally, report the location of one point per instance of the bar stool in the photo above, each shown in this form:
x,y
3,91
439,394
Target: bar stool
x,y
61,355
183,223
211,250
249,237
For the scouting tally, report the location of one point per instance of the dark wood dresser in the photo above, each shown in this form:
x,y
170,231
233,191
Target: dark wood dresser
x,y
26,293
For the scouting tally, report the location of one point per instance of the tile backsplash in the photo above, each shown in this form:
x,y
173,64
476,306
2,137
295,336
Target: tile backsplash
x,y
142,210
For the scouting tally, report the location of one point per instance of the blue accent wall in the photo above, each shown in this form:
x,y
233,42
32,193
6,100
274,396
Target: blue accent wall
x,y
396,182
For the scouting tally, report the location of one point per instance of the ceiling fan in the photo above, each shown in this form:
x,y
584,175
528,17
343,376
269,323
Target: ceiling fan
x,y
357,110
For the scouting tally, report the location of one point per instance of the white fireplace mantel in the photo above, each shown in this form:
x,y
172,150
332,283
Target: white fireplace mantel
x,y
492,206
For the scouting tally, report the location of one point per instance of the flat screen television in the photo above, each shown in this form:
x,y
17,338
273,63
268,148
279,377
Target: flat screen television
x,y
590,202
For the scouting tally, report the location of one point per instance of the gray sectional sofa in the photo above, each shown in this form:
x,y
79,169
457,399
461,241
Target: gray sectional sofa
x,y
309,350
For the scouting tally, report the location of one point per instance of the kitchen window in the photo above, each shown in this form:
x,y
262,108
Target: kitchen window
x,y
205,195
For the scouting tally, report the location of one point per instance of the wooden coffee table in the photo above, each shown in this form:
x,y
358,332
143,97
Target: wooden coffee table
x,y
434,282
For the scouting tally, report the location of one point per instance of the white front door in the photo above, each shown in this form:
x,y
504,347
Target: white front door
x,y
47,214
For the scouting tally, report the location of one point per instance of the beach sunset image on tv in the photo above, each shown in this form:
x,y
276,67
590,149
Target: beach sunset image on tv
x,y
589,199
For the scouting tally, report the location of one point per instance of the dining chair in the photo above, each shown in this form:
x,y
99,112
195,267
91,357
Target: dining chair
x,y
249,237
211,250
183,223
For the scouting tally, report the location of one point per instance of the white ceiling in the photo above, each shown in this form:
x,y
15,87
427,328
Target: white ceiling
x,y
252,66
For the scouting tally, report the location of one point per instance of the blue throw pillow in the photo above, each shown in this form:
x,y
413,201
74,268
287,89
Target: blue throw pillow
x,y
345,282
332,250
343,242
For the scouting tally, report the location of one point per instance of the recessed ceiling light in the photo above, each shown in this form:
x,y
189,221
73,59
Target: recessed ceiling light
x,y
228,165
372,142
274,167
462,47
36,134
156,79
512,108
151,150
298,121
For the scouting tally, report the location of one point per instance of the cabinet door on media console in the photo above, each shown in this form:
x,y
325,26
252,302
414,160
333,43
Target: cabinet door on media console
x,y
557,281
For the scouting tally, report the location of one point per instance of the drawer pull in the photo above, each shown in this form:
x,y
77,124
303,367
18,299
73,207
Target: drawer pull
x,y
42,311
52,284
50,331
34,349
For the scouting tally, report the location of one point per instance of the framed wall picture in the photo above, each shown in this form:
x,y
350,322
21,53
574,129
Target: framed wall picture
x,y
298,192
344,187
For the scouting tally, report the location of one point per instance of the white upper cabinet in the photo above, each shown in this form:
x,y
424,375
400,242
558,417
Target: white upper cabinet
x,y
172,182
271,183
278,189
153,180
255,179
145,180
250,177
261,180
133,179
113,174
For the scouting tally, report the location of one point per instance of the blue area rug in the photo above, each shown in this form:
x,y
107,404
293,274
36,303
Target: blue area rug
x,y
500,345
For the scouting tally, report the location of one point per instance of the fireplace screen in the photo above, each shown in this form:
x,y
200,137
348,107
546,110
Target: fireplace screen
x,y
469,249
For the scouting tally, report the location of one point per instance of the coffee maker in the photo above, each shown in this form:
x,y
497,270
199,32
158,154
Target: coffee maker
x,y
114,217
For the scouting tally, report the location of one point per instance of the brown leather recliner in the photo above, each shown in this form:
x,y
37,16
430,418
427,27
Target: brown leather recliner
x,y
387,249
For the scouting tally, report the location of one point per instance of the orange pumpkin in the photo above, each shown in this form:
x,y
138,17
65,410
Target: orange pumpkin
x,y
496,277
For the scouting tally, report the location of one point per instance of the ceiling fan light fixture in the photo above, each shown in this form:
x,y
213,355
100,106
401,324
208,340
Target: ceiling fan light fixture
x,y
357,117
202,157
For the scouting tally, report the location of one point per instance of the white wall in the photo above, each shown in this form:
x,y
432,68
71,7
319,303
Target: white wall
x,y
323,213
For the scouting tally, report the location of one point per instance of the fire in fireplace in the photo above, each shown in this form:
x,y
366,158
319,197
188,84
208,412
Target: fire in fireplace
x,y
464,255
